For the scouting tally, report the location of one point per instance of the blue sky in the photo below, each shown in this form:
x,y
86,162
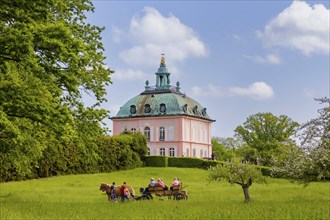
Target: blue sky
x,y
236,58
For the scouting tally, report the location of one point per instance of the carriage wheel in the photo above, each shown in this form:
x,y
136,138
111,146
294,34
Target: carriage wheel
x,y
179,196
144,197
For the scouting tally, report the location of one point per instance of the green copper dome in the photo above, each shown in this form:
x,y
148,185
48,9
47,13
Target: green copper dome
x,y
162,100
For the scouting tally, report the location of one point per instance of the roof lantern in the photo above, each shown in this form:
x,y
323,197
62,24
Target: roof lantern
x,y
162,76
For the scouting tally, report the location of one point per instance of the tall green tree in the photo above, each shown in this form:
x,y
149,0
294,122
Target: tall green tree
x,y
268,135
221,150
49,58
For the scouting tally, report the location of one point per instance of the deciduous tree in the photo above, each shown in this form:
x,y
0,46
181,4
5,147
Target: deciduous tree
x,y
267,134
236,172
220,150
311,161
49,58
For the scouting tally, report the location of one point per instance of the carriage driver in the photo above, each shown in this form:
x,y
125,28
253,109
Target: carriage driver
x,y
152,183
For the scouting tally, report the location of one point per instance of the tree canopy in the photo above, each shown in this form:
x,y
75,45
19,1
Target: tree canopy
x,y
224,148
267,135
49,58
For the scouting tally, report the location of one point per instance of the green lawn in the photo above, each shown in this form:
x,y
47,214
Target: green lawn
x,y
78,197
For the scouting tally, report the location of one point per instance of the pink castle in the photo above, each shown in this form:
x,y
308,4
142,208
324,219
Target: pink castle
x,y
173,123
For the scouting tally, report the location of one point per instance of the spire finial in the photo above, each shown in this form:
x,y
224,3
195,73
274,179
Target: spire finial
x,y
162,61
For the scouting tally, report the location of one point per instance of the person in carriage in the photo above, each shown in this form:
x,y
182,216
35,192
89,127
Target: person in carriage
x,y
152,184
175,183
160,183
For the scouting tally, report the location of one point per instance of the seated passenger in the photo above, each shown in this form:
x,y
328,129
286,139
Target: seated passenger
x,y
160,183
175,182
152,182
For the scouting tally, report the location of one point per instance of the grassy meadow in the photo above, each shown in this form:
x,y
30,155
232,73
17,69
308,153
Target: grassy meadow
x,y
78,197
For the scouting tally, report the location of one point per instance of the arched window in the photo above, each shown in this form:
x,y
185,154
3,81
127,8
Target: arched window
x,y
147,133
148,151
201,153
194,152
187,152
133,130
162,151
161,134
171,152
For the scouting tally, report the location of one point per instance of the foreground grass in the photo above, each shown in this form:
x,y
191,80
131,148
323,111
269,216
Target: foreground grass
x,y
78,197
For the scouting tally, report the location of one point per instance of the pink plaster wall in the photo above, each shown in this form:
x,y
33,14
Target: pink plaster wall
x,y
188,132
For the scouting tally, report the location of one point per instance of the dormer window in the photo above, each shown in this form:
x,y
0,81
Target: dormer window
x,y
162,108
147,108
133,109
195,110
204,112
184,108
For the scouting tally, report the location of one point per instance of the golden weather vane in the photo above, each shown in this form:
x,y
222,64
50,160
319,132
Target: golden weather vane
x,y
162,61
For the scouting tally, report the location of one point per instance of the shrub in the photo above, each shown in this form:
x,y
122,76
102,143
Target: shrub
x,y
156,161
121,152
187,162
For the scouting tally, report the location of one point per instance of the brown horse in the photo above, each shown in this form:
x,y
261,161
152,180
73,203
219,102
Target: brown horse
x,y
105,187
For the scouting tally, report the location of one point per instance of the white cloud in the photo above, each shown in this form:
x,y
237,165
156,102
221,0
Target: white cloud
x,y
153,34
257,90
129,74
117,34
300,26
268,59
211,90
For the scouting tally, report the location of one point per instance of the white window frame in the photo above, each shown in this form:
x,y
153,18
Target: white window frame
x,y
162,151
162,134
147,133
171,152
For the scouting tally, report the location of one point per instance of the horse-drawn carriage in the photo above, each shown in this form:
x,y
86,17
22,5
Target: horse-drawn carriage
x,y
176,192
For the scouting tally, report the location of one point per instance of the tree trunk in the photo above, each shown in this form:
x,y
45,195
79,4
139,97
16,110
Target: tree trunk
x,y
246,193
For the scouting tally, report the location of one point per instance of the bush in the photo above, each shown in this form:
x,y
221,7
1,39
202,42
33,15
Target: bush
x,y
156,161
187,162
105,154
121,152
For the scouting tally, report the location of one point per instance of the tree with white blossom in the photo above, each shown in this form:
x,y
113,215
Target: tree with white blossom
x,y
310,162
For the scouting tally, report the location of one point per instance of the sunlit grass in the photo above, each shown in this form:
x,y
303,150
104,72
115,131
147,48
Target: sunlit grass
x,y
78,197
